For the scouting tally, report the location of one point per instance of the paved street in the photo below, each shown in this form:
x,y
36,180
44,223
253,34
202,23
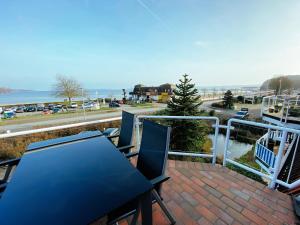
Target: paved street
x,y
81,118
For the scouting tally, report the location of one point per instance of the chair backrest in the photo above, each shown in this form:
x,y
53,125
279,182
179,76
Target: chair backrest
x,y
127,126
153,149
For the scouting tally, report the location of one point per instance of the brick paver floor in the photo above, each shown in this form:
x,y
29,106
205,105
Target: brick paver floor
x,y
200,193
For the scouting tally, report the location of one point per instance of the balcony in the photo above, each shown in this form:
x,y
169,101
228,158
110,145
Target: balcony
x,y
283,110
200,193
209,193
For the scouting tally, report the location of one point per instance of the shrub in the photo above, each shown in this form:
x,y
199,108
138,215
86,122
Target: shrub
x,y
218,105
212,113
14,147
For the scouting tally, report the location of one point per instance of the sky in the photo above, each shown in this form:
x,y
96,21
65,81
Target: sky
x,y
119,43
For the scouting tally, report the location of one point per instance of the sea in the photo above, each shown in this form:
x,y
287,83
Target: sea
x,y
17,97
28,96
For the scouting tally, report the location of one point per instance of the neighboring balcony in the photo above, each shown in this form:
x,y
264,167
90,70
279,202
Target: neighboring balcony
x,y
282,110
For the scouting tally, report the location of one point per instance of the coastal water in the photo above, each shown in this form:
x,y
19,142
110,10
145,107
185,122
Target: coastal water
x,y
28,96
24,96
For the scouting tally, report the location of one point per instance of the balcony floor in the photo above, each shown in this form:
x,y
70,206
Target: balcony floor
x,y
199,193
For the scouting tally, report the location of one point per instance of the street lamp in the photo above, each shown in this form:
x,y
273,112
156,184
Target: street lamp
x,y
279,87
83,107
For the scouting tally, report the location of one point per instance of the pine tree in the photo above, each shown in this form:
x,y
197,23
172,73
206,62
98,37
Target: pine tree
x,y
186,134
228,100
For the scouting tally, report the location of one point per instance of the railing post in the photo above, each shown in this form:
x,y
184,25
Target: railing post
x,y
137,133
268,136
215,142
293,159
278,159
226,142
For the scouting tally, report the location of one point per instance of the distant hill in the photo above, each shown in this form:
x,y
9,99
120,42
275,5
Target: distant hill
x,y
4,90
295,79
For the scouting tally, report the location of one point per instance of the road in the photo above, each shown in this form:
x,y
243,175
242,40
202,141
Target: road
x,y
254,111
77,119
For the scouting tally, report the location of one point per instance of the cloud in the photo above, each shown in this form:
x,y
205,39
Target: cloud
x,y
202,44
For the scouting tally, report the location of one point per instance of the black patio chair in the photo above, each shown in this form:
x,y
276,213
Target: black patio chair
x,y
8,166
151,162
125,137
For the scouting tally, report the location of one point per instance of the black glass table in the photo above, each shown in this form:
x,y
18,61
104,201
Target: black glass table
x,y
73,183
61,140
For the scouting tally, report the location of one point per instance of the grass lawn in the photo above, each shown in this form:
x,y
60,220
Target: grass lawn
x,y
143,105
42,117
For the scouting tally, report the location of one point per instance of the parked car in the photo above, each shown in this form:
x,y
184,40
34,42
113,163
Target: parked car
x,y
9,114
31,108
40,107
46,111
114,104
20,109
87,105
51,106
73,105
56,110
241,115
14,108
1,110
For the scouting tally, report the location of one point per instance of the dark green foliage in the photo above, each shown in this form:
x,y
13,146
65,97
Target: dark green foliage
x,y
218,104
212,113
187,135
240,99
228,100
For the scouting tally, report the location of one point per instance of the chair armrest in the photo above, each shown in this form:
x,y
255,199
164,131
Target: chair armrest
x,y
158,180
131,154
124,148
113,136
10,162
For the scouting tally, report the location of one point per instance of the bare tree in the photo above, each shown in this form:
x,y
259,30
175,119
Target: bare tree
x,y
67,87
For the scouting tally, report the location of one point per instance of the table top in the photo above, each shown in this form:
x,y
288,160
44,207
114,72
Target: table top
x,y
73,183
61,140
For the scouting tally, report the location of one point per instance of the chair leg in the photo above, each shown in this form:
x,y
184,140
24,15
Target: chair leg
x,y
135,217
163,207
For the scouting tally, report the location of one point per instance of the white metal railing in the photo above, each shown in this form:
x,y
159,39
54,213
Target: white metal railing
x,y
272,176
184,153
265,155
275,160
19,133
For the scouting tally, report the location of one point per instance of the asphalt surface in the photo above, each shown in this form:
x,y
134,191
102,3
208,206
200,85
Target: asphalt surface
x,y
77,119
254,111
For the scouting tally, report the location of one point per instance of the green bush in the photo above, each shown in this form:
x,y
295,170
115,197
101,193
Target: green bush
x,y
14,147
212,113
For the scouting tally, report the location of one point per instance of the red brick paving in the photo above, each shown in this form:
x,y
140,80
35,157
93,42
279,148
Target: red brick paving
x,y
199,193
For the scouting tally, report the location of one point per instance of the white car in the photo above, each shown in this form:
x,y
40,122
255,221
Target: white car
x,y
74,105
1,110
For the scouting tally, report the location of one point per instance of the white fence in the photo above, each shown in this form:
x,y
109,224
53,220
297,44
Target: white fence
x,y
275,160
273,176
265,155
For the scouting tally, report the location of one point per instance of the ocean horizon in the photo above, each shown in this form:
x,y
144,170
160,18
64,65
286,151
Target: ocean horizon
x,y
35,96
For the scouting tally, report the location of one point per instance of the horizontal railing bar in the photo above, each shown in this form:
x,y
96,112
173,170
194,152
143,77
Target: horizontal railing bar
x,y
180,117
19,133
190,154
247,122
224,127
249,169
